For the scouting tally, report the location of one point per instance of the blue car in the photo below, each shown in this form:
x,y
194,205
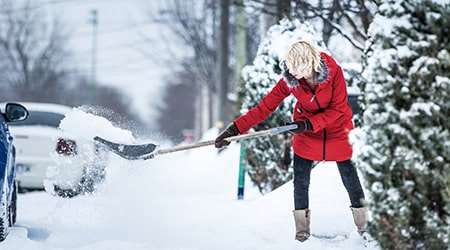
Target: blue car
x,y
8,185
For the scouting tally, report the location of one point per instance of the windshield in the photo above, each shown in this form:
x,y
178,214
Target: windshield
x,y
41,118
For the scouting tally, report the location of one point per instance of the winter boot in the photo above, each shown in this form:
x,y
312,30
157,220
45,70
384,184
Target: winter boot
x,y
302,222
360,218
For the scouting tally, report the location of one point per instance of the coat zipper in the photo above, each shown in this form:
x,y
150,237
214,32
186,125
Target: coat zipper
x,y
324,143
314,98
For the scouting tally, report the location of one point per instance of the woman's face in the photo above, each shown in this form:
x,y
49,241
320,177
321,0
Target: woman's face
x,y
301,72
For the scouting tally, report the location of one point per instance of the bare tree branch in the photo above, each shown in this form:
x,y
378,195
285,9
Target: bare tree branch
x,y
319,13
32,46
351,22
184,21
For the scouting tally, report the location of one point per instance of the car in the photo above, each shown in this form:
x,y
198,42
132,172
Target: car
x,y
8,184
51,159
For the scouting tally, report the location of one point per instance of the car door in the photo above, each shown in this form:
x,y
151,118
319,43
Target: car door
x,y
6,157
11,157
4,153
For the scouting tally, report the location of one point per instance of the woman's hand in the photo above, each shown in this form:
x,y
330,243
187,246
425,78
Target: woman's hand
x,y
302,126
230,131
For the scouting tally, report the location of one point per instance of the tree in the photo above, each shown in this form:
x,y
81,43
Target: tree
x,y
240,47
267,167
34,53
223,68
108,102
212,63
404,143
32,48
176,112
349,19
283,9
195,23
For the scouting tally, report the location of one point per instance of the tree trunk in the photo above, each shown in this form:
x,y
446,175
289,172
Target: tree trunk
x,y
283,9
198,130
241,46
267,20
223,59
210,107
327,28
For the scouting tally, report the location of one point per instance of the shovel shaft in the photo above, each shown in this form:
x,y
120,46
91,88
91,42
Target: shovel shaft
x,y
267,132
184,147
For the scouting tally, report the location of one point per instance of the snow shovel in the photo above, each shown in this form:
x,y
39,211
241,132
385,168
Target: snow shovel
x,y
150,150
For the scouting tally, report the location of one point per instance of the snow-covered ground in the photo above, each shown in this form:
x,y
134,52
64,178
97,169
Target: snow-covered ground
x,y
184,200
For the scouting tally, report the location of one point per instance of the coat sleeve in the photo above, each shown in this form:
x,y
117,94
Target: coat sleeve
x,y
265,107
338,105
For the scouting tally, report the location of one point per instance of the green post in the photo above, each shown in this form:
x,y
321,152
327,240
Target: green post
x,y
241,178
241,60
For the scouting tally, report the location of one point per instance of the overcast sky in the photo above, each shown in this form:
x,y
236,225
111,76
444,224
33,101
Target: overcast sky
x,y
122,26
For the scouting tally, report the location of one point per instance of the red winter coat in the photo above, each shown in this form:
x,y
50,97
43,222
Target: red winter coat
x,y
326,107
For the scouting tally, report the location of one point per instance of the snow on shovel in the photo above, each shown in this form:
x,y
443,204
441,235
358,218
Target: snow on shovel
x,y
150,150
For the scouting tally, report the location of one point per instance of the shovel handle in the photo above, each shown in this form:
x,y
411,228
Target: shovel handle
x,y
272,131
184,147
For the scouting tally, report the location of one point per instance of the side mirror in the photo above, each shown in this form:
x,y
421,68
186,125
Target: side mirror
x,y
15,112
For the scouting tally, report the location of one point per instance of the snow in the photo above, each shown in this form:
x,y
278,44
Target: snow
x,y
280,42
97,126
184,200
444,3
441,81
420,65
419,109
388,26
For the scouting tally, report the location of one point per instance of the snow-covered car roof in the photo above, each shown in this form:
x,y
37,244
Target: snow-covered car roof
x,y
37,106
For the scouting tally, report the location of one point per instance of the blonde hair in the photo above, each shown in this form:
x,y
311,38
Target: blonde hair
x,y
303,54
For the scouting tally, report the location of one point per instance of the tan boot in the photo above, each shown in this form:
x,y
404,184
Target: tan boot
x,y
360,218
302,222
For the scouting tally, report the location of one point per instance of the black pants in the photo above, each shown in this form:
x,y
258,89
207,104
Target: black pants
x,y
302,174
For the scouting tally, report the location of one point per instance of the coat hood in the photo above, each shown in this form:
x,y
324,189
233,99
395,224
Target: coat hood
x,y
293,82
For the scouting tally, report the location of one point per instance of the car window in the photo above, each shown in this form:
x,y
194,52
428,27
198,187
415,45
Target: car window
x,y
41,118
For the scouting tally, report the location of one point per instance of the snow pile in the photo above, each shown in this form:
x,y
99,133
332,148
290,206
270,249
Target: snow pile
x,y
183,201
81,127
85,125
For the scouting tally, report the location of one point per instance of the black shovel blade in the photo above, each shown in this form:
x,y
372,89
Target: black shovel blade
x,y
128,151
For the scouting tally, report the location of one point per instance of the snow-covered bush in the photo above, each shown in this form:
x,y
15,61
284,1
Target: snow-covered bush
x,y
404,143
268,160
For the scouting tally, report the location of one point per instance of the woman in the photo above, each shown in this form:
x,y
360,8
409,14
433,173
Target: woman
x,y
324,120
